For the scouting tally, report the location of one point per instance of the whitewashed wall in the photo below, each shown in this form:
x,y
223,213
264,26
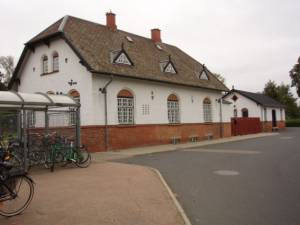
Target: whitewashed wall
x,y
92,101
32,81
190,101
254,109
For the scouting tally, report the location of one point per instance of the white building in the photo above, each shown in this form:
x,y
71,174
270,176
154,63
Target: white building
x,y
133,90
245,104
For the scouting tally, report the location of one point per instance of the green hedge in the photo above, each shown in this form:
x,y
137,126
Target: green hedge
x,y
293,123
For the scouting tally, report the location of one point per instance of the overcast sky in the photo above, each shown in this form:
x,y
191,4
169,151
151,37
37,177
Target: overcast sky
x,y
247,41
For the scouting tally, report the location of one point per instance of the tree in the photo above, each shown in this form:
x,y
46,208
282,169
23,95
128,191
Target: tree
x,y
295,76
282,93
220,77
7,66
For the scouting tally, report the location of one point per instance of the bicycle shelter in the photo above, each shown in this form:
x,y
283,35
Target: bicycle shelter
x,y
38,112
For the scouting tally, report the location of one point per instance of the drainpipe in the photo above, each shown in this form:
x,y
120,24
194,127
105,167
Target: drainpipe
x,y
221,117
104,91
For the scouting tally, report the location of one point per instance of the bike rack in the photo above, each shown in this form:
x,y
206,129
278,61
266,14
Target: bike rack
x,y
21,102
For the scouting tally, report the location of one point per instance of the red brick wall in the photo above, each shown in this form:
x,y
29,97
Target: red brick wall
x,y
281,125
121,137
267,126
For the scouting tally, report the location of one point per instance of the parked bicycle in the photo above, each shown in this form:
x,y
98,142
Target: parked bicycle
x,y
11,150
63,150
16,191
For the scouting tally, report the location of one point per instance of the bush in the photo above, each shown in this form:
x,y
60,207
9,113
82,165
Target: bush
x,y
293,123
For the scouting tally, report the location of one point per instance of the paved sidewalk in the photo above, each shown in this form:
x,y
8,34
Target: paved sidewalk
x,y
112,155
103,194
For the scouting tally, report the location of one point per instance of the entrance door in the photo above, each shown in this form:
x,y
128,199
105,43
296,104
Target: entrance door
x,y
274,120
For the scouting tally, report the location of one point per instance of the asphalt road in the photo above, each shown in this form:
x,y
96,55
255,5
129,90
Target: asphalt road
x,y
251,182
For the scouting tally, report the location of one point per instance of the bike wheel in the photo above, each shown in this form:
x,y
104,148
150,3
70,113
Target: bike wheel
x,y
83,158
17,196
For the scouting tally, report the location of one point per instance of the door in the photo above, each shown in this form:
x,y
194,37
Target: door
x,y
274,120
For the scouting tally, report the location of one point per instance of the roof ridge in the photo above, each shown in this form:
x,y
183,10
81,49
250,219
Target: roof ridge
x,y
123,31
63,23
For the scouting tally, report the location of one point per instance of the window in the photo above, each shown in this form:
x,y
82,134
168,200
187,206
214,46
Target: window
x,y
31,118
72,116
120,57
203,75
265,114
125,107
207,110
55,62
44,64
235,113
168,66
173,109
245,113
281,115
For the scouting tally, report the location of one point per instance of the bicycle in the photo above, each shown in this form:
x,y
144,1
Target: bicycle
x,y
80,157
63,150
10,150
16,191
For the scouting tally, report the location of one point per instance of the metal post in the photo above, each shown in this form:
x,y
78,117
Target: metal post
x,y
25,140
46,122
221,118
19,125
78,135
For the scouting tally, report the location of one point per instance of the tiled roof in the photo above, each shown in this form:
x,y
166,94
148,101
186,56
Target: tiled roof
x,y
93,43
259,98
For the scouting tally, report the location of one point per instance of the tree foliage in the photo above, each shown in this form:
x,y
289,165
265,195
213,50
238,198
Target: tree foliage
x,y
282,93
295,76
7,66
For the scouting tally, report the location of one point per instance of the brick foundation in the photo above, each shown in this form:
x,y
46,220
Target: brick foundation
x,y
121,137
267,126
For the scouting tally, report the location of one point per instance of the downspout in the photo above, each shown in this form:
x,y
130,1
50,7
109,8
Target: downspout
x,y
221,117
104,91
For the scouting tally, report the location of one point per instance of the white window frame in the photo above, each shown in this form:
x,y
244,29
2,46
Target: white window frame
x,y
173,111
45,68
125,110
207,112
55,63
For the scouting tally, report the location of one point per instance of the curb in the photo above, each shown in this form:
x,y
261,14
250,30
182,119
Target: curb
x,y
174,199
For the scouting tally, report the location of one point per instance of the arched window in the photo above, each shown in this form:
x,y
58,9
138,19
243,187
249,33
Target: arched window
x,y
76,96
173,109
207,110
245,113
55,62
44,64
125,107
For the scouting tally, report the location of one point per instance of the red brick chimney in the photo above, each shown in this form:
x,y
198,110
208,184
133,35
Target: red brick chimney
x,y
111,21
155,35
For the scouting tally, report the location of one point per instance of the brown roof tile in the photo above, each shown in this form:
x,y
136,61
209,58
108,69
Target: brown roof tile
x,y
94,42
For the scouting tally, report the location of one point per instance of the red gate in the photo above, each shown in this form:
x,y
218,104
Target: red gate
x,y
243,126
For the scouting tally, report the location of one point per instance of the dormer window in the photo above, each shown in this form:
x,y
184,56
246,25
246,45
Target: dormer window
x,y
168,66
121,57
203,74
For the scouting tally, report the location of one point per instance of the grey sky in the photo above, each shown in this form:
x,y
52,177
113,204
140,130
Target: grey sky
x,y
248,42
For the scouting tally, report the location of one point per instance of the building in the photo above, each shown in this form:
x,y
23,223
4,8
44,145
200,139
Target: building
x,y
133,90
271,114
